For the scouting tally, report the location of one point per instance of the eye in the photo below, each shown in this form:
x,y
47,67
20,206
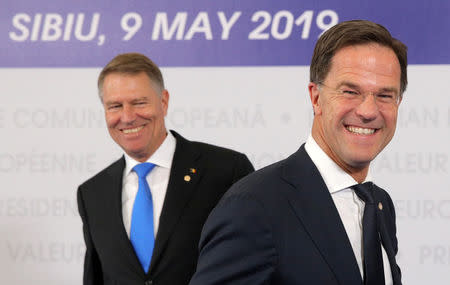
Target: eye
x,y
140,103
114,107
385,96
349,92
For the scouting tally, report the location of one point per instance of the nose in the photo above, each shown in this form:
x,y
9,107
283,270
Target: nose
x,y
128,114
368,109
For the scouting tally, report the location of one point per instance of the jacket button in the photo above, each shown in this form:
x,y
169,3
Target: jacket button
x,y
148,282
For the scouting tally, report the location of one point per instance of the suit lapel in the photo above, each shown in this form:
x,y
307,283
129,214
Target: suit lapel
x,y
184,176
113,187
313,205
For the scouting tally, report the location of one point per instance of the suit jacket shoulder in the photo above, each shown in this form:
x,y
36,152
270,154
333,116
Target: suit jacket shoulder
x,y
113,169
214,159
294,171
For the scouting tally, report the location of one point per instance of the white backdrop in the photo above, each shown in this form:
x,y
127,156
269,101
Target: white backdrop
x,y
251,95
54,138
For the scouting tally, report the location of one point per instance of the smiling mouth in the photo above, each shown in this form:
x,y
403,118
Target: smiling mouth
x,y
360,131
132,131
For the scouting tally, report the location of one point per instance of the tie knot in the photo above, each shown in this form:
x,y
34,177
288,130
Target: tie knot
x,y
143,169
365,192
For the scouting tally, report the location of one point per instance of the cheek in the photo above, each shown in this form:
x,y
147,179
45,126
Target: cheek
x,y
332,116
151,114
329,108
146,113
341,111
390,118
112,120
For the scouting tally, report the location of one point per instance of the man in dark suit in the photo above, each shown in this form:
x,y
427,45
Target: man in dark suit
x,y
314,218
143,226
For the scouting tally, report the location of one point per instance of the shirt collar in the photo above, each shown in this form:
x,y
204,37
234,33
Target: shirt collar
x,y
162,157
334,177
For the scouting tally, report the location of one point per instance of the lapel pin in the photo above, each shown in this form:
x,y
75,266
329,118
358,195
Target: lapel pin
x,y
192,170
380,206
187,178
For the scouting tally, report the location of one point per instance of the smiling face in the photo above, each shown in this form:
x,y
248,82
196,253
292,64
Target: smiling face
x,y
353,131
135,113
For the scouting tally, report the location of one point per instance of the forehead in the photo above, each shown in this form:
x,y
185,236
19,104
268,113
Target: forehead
x,y
369,64
124,86
118,82
118,79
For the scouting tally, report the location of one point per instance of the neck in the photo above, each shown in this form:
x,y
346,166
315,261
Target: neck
x,y
358,174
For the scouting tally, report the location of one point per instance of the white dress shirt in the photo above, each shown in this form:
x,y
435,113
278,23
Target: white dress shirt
x,y
348,204
157,179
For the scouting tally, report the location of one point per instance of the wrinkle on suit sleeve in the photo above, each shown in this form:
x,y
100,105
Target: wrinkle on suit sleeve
x,y
236,245
92,267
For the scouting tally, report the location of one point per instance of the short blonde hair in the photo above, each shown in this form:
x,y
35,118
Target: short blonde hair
x,y
132,63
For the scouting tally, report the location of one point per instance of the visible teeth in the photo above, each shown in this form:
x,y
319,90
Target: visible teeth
x,y
360,131
135,130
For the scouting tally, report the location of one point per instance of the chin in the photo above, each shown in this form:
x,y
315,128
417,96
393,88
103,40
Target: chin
x,y
361,161
133,149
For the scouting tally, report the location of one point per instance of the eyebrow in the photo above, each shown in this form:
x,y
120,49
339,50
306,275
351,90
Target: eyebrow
x,y
348,84
109,103
112,102
389,89
140,99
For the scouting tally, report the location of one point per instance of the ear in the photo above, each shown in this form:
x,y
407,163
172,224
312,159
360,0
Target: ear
x,y
165,101
314,95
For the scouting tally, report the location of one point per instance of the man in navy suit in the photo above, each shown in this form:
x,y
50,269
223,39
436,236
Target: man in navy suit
x,y
299,221
186,181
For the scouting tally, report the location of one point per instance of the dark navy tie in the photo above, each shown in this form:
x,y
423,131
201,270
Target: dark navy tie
x,y
372,258
141,232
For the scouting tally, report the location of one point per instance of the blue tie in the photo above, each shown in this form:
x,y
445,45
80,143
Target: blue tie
x,y
141,233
